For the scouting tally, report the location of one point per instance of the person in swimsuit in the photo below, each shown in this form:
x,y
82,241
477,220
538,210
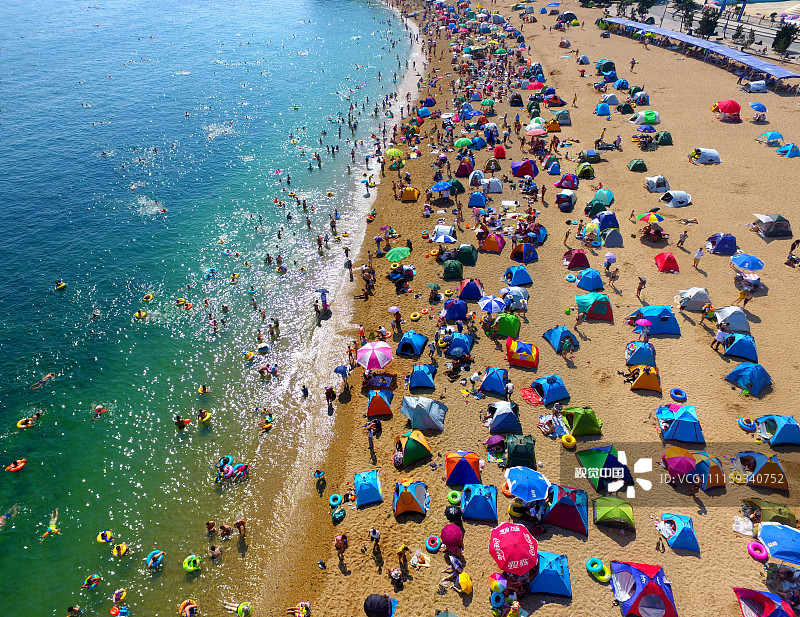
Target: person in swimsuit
x,y
51,526
12,512
42,381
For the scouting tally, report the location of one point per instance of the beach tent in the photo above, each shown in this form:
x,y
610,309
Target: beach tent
x,y
568,181
524,253
647,378
409,194
772,512
762,603
656,184
465,168
722,244
751,377
515,100
604,196
605,66
767,470
790,151
552,575
456,188
741,346
367,485
471,289
590,280
642,589
518,295
585,170
520,451
453,270
467,254
594,207
641,97
424,413
595,305
411,498
621,84
662,319
679,423
554,169
553,126
493,243
637,165
499,152
520,169
666,262
606,220
479,503
624,108
477,200
603,467
413,446
778,430
613,512
422,376
576,258
773,226
567,508
647,116
759,86
611,238
550,389
591,156
378,403
556,336
493,185
704,156
507,324
429,102
611,98
475,177
602,109
554,101
518,275
565,200
505,418
584,59
582,421
709,469
676,199
683,536
460,344
636,90
462,468
519,353
412,344
455,310
663,138
734,318
692,299
564,118
639,353
494,381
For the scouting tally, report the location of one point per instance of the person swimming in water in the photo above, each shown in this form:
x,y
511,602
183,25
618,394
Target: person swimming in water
x,y
12,512
52,526
43,380
179,423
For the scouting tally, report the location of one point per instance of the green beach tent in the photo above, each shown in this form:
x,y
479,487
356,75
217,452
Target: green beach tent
x,y
413,446
456,187
520,451
772,512
585,170
508,325
582,421
467,254
453,270
595,207
637,165
664,138
613,512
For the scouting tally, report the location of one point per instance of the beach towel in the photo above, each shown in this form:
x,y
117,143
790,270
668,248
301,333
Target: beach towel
x,y
559,426
529,396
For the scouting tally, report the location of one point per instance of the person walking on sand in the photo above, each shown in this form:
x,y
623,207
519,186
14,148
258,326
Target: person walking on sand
x,y
340,544
698,254
642,285
682,238
719,337
633,64
566,235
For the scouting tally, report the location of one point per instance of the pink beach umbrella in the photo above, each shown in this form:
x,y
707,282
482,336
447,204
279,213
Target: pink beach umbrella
x,y
513,548
452,535
536,132
375,355
643,322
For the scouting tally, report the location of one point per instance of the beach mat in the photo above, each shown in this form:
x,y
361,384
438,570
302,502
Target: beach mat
x,y
529,396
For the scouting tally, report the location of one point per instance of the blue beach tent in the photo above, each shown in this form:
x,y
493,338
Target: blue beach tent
x,y
422,376
602,110
412,344
524,253
604,196
424,112
550,389
471,290
679,423
455,309
379,403
684,537
477,200
661,318
741,346
505,418
460,344
590,280
479,502
424,413
751,377
606,220
568,509
552,576
722,244
518,275
621,84
368,488
494,381
462,470
638,353
778,430
555,336
790,151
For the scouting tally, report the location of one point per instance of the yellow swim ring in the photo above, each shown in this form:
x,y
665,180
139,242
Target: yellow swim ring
x,y
568,441
140,314
435,252
249,356
448,292
148,297
415,316
119,595
25,423
120,550
345,235
105,536
205,418
395,266
61,286
329,194
180,301
442,343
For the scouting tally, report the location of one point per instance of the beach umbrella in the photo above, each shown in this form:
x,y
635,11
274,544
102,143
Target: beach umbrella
x,y
678,461
650,217
342,370
498,583
434,286
321,291
527,484
611,258
394,152
747,262
515,292
729,107
398,253
488,102
465,582
492,304
759,107
537,132
377,605
643,322
444,239
646,128
513,548
375,355
394,309
552,4
782,542
443,185
500,51
463,142
452,535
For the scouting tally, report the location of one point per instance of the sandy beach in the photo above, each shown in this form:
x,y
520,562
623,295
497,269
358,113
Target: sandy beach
x,y
751,178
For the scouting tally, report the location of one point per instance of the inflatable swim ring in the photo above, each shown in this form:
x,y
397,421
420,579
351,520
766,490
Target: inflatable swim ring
x,y
180,301
227,252
604,575
24,422
678,395
425,233
17,465
435,252
205,418
747,424
433,543
206,391
91,581
448,292
395,266
497,599
61,286
516,510
147,297
506,490
244,609
192,563
568,441
262,348
248,355
758,551
119,550
424,311
415,316
595,243
252,290
281,270
184,604
225,461
442,343
239,471
570,278
335,500
114,611
119,595
105,536
188,306
140,314
157,562
454,497
593,564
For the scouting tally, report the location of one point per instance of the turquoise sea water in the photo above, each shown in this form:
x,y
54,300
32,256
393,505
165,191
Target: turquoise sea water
x,y
109,114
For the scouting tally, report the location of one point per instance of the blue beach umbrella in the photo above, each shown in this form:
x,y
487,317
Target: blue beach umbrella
x,y
342,370
442,186
552,4
759,107
444,239
747,262
646,128
492,304
527,484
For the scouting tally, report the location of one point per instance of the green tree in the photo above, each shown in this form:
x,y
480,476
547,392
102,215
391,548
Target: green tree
x,y
784,37
686,9
738,35
751,38
643,7
708,23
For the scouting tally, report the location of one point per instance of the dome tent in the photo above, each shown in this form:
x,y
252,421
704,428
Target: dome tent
x,y
550,389
471,289
595,305
518,275
741,346
568,508
479,502
505,418
642,589
722,244
656,184
494,381
661,317
556,336
734,318
704,156
424,413
647,116
589,280
507,325
520,451
455,310
467,254
751,377
692,299
411,498
666,262
576,258
379,403
676,199
646,378
413,446
611,238
778,430
582,421
453,270
679,423
412,344
422,376
367,485
639,353
462,468
519,353
637,165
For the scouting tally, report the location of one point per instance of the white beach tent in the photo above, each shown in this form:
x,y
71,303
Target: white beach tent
x,y
692,299
494,185
444,230
755,86
475,177
676,199
705,156
735,318
656,184
583,59
645,117
611,99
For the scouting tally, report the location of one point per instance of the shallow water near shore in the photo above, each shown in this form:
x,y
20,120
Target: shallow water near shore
x,y
108,117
